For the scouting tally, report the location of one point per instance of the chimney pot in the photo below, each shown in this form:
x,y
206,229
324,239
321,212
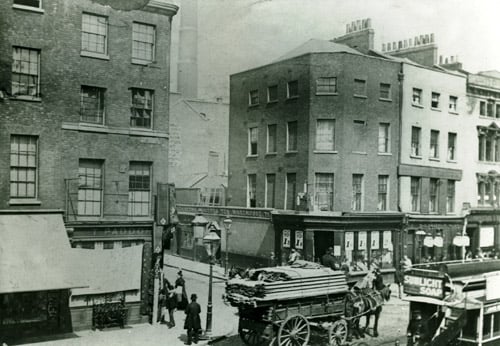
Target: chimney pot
x,y
383,47
451,59
347,28
394,45
359,24
405,43
368,23
400,44
446,61
432,37
410,41
440,60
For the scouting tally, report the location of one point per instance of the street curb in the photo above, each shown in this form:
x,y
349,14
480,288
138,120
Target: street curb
x,y
215,276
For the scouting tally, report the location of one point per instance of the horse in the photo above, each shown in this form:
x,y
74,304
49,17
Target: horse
x,y
364,301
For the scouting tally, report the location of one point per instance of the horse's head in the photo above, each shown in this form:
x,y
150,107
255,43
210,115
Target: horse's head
x,y
386,292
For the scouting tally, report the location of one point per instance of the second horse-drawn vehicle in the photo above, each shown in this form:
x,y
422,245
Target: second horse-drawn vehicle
x,y
280,305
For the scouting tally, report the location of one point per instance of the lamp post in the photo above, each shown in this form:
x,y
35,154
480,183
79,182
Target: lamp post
x,y
199,224
211,242
227,226
420,233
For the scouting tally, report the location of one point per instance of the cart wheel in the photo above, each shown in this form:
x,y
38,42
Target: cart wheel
x,y
294,331
252,337
337,333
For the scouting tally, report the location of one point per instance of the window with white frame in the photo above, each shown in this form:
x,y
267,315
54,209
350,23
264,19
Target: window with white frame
x,y
359,87
253,97
25,78
488,190
452,106
490,109
450,196
325,134
291,136
253,137
291,191
251,191
415,141
452,146
417,96
271,138
142,108
139,189
270,191
94,33
385,91
292,89
92,104
29,3
357,192
435,100
326,85
482,108
90,184
23,166
415,194
143,42
384,137
433,195
434,144
272,93
383,192
323,191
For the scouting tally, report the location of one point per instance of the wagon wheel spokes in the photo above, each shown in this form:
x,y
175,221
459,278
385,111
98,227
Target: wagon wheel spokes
x,y
337,333
252,337
294,331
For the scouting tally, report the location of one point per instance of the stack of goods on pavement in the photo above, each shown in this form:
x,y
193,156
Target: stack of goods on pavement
x,y
304,280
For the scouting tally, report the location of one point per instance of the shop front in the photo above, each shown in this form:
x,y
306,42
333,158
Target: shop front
x,y
356,241
483,230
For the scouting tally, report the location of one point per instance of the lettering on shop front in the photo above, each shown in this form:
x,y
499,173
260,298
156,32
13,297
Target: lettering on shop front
x,y
423,286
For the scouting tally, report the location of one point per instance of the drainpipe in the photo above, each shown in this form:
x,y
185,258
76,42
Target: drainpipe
x,y
400,111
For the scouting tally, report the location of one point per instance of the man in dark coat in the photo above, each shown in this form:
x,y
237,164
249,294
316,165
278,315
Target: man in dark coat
x,y
193,322
170,302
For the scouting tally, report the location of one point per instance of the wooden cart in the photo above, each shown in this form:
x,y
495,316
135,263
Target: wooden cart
x,y
288,320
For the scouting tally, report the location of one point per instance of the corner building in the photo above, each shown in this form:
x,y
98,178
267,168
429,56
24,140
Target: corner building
x,y
84,117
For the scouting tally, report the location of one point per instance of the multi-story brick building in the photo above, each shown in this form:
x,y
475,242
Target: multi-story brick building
x,y
328,128
84,116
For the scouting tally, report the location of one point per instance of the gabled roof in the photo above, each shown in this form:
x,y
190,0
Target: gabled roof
x,y
318,46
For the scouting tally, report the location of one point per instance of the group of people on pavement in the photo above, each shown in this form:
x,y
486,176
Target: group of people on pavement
x,y
174,297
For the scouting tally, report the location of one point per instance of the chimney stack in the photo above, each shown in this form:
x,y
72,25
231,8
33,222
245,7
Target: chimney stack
x,y
359,35
187,74
421,49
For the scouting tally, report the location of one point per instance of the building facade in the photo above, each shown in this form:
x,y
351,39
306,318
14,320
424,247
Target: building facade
x,y
85,112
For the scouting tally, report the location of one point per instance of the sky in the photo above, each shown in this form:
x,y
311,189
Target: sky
x,y
236,35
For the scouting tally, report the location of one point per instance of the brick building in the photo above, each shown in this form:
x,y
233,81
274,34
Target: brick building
x,y
84,114
325,136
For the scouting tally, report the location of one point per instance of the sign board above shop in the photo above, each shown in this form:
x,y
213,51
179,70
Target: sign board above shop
x,y
424,286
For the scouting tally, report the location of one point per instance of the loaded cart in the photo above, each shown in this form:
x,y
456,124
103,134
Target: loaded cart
x,y
281,304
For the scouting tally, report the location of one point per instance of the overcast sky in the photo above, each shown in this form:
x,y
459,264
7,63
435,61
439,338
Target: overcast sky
x,y
235,35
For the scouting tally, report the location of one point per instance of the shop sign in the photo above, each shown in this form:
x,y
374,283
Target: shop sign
x,y
299,240
461,240
438,241
492,309
428,241
486,236
492,284
349,240
424,286
286,238
362,240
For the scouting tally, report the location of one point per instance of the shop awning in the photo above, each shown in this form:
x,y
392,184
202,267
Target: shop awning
x,y
109,271
35,253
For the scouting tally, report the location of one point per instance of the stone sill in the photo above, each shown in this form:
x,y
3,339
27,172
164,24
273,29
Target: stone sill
x,y
24,201
142,62
385,100
325,151
84,127
28,8
360,96
94,55
25,98
417,105
326,94
384,154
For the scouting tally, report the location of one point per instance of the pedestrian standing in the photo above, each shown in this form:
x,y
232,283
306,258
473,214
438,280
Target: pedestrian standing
x,y
180,291
170,302
294,256
193,322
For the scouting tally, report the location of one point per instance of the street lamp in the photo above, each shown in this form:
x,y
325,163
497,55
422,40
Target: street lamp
x,y
199,224
227,226
420,233
211,242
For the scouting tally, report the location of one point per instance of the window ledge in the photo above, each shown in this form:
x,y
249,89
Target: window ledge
x,y
252,156
24,201
291,152
453,112
416,157
142,62
384,154
451,161
272,154
325,151
326,94
434,159
88,127
26,98
28,8
436,109
360,96
272,102
253,106
94,55
385,100
292,97
359,152
417,105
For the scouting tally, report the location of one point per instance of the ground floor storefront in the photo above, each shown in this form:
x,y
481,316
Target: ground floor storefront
x,y
483,230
